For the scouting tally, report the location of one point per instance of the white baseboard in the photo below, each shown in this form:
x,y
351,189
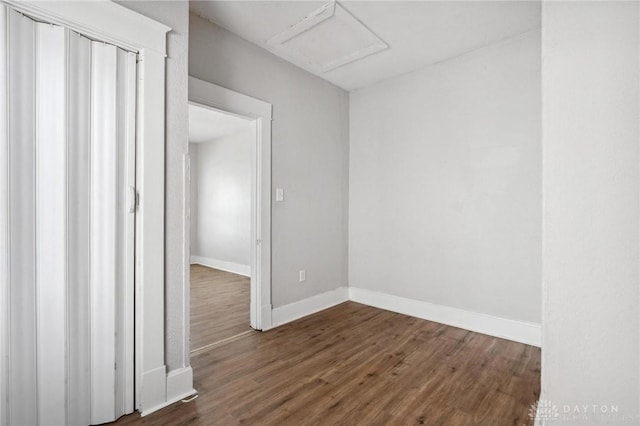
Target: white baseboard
x,y
287,313
153,390
167,403
179,385
223,265
518,331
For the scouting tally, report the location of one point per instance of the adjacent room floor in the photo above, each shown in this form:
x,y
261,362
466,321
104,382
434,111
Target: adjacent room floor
x,y
219,306
357,365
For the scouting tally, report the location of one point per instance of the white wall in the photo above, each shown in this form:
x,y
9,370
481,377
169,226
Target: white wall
x,y
591,207
445,183
310,151
224,198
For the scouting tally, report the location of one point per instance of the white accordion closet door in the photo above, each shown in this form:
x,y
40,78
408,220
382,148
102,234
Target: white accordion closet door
x,y
70,143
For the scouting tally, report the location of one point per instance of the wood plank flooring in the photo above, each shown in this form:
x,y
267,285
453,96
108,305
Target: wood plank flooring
x,y
357,365
219,305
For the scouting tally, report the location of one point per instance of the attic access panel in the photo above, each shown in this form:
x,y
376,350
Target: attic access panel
x,y
327,39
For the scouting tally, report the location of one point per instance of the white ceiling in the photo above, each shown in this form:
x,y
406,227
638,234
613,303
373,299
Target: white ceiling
x,y
206,124
419,33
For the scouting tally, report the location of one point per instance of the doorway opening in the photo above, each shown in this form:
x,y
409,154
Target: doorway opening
x,y
222,160
257,114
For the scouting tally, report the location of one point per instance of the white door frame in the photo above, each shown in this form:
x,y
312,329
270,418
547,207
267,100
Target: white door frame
x,y
114,24
212,96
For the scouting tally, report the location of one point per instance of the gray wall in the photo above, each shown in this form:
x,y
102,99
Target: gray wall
x,y
445,183
310,150
224,198
175,15
591,192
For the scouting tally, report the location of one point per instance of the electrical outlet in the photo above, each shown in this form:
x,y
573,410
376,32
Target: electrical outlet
x,y
302,275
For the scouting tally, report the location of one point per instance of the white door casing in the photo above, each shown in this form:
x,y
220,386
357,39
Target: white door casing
x,y
209,95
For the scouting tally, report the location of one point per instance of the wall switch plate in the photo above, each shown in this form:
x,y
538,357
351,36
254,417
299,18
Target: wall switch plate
x,y
279,194
302,275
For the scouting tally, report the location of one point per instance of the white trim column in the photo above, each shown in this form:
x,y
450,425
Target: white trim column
x,y
4,224
150,357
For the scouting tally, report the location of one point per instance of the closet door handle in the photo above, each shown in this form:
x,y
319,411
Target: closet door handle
x,y
133,199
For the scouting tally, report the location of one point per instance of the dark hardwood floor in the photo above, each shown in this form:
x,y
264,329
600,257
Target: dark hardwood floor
x,y
357,365
219,305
